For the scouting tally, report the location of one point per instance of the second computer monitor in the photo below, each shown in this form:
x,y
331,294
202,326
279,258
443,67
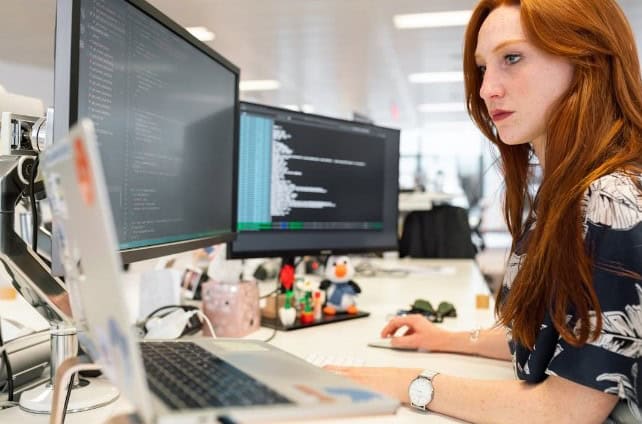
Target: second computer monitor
x,y
309,184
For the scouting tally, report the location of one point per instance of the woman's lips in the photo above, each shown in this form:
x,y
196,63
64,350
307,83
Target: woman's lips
x,y
499,115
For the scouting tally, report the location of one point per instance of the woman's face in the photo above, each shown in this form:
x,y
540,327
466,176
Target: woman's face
x,y
521,83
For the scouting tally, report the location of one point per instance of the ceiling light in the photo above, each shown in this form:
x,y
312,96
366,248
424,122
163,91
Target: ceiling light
x,y
442,107
432,20
435,77
201,33
259,85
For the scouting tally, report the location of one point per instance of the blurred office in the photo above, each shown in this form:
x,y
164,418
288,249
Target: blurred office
x,y
357,59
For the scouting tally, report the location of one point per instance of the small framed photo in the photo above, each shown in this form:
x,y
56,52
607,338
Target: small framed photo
x,y
190,282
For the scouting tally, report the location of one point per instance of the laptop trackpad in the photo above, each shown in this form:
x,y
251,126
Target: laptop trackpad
x,y
284,372
274,365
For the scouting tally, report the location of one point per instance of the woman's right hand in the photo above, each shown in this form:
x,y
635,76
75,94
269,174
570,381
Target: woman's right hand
x,y
420,334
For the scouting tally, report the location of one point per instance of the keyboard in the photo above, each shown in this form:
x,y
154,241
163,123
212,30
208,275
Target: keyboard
x,y
185,376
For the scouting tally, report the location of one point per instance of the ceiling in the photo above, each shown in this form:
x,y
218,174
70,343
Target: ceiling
x,y
339,56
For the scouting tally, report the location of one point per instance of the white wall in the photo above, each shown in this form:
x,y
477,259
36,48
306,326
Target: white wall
x,y
28,81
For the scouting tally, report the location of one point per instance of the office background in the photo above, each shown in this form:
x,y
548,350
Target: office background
x,y
331,57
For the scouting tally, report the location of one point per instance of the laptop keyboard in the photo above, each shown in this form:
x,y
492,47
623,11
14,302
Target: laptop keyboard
x,y
184,375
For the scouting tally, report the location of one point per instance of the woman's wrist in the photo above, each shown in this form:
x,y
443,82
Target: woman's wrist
x,y
460,342
408,375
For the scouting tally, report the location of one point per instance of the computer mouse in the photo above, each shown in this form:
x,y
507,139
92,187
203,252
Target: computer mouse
x,y
387,344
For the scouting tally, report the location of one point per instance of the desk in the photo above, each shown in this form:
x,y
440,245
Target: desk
x,y
454,280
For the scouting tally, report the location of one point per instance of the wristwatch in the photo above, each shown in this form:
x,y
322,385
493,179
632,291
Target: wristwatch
x,y
421,390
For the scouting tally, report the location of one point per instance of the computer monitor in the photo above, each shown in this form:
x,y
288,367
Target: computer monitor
x,y
165,109
310,184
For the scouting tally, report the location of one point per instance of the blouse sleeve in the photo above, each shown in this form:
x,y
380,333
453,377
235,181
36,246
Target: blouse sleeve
x,y
613,233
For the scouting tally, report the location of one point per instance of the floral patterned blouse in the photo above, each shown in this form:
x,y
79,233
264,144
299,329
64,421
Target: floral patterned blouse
x,y
613,228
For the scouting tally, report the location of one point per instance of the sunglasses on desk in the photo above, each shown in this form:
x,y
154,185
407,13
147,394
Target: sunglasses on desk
x,y
425,308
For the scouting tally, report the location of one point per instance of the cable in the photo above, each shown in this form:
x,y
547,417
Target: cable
x,y
5,359
32,194
272,336
34,205
276,290
207,321
37,147
67,396
276,301
186,308
7,404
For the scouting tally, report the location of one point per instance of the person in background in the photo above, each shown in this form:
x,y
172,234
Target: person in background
x,y
556,82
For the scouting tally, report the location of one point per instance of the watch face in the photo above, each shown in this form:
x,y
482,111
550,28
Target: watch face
x,y
420,392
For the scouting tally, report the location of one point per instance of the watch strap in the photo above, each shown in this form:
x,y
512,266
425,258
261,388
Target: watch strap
x,y
429,374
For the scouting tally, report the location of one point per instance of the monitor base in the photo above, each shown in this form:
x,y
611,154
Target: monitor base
x,y
84,397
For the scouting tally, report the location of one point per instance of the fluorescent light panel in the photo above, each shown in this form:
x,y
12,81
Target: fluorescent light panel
x,y
201,33
436,77
442,107
259,85
432,20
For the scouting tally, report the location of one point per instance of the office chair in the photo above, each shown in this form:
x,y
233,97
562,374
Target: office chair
x,y
441,232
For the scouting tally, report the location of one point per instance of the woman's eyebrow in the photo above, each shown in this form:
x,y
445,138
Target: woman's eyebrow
x,y
500,46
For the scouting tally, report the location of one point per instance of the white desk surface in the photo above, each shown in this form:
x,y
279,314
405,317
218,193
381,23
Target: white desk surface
x,y
456,281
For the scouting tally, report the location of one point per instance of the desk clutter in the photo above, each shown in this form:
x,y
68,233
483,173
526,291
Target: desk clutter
x,y
227,292
300,303
217,286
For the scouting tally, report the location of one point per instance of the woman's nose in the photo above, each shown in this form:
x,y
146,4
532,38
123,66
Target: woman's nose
x,y
491,86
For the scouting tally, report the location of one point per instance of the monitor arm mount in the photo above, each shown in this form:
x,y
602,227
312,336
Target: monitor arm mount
x,y
32,278
30,274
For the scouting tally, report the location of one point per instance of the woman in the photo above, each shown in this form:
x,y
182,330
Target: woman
x,y
560,80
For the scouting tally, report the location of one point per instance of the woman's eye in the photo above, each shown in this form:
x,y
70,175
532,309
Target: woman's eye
x,y
511,59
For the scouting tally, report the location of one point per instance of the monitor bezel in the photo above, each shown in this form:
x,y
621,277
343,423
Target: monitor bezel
x,y
235,254
66,79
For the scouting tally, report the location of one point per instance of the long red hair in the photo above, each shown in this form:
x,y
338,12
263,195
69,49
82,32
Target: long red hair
x,y
596,129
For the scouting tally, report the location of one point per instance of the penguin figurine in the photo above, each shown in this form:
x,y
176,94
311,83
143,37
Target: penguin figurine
x,y
339,288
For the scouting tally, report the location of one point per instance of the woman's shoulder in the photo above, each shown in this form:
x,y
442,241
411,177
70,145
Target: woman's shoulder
x,y
614,200
617,181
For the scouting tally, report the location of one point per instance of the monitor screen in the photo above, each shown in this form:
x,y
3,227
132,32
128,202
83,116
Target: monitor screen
x,y
309,184
165,108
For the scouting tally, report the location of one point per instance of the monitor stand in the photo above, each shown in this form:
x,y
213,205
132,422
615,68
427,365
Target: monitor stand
x,y
85,395
286,282
32,278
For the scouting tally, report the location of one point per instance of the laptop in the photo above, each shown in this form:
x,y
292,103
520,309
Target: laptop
x,y
267,384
